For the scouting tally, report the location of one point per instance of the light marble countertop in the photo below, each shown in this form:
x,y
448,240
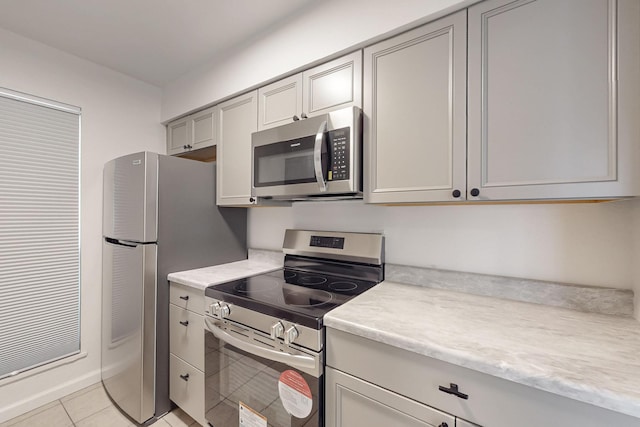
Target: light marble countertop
x,y
589,357
258,262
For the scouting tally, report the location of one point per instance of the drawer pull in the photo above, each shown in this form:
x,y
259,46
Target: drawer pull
x,y
185,377
453,389
185,323
186,298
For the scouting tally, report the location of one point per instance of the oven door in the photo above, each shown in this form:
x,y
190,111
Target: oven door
x,y
248,382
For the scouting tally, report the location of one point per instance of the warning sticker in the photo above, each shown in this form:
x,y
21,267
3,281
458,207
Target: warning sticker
x,y
251,418
295,394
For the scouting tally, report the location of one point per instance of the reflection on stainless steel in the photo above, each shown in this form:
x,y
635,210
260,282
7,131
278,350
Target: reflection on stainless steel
x,y
342,286
308,298
311,280
263,286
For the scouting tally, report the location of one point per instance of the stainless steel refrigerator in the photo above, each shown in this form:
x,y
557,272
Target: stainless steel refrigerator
x,y
159,217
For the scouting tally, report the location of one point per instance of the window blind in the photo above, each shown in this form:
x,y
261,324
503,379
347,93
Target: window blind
x,y
39,231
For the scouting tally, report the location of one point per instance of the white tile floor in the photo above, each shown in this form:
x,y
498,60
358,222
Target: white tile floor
x,y
89,407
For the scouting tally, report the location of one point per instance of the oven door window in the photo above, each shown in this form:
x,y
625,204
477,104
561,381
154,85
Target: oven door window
x,y
287,162
234,377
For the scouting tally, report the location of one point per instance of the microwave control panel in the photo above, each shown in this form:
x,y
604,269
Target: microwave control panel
x,y
339,144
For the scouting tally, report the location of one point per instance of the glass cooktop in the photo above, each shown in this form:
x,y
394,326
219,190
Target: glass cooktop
x,y
293,295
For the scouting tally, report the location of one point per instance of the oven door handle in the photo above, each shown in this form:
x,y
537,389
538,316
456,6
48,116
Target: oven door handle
x,y
304,363
317,156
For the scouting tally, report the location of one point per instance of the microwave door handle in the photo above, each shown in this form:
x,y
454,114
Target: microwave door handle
x,y
304,363
317,157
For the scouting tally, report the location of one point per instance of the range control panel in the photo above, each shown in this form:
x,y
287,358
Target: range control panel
x,y
327,242
339,144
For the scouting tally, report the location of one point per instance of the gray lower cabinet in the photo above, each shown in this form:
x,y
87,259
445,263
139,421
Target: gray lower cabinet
x,y
191,132
552,92
235,119
368,376
186,348
415,114
353,402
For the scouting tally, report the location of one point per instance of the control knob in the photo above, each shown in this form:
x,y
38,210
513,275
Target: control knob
x,y
290,335
277,330
214,308
225,311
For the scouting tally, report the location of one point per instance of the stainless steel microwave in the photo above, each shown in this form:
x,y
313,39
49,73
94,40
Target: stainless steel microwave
x,y
316,157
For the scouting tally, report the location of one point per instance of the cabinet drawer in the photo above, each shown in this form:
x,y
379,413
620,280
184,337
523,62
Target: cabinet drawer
x,y
186,335
186,392
186,297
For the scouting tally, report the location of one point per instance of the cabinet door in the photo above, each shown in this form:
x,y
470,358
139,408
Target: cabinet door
x,y
543,99
236,120
334,85
186,388
202,125
353,402
178,136
415,115
279,102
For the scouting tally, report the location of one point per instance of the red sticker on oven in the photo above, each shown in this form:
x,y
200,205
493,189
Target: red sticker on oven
x,y
295,394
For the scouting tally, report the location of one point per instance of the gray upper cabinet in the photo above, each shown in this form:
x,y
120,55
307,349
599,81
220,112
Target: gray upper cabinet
x,y
332,86
236,119
552,90
541,104
178,135
202,124
327,87
415,114
191,133
279,102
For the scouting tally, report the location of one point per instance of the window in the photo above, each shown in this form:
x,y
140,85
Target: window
x,y
39,231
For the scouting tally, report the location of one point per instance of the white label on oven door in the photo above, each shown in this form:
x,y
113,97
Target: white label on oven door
x,y
251,418
295,394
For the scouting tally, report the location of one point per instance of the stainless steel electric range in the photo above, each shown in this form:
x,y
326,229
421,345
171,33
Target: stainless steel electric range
x,y
264,335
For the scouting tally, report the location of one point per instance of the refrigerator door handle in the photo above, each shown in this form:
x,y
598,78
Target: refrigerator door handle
x,y
120,242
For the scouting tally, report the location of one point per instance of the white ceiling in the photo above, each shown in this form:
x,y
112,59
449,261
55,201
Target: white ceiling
x,y
155,41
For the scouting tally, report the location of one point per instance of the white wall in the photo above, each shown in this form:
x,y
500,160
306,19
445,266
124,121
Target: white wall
x,y
589,244
119,115
327,27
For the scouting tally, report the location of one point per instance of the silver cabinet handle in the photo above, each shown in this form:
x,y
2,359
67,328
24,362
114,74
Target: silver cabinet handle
x,y
293,360
317,156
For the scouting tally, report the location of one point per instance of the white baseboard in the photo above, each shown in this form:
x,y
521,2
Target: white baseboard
x,y
47,396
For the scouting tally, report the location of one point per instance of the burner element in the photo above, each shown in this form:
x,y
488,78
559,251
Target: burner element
x,y
342,286
311,280
264,285
307,298
289,274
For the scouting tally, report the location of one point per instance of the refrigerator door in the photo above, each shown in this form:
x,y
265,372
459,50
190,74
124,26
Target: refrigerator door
x,y
128,326
131,198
